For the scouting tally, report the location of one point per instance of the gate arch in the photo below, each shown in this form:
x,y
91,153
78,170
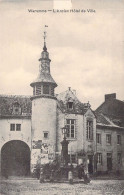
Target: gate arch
x,y
15,158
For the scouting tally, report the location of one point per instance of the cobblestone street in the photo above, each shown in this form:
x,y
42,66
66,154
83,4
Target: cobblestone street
x,y
32,186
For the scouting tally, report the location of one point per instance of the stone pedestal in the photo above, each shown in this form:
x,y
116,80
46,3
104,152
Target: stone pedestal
x,y
65,151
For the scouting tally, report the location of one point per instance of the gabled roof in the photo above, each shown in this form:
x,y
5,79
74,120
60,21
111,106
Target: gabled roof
x,y
68,96
101,119
104,121
8,101
113,110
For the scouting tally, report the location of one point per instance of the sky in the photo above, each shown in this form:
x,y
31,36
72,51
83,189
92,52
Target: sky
x,y
86,49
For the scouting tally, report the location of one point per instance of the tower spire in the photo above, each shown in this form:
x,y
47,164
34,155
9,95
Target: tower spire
x,y
44,36
44,76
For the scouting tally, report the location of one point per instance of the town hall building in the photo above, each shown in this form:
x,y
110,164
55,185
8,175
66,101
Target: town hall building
x,y
31,128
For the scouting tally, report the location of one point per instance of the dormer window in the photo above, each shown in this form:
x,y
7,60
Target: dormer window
x,y
16,109
70,105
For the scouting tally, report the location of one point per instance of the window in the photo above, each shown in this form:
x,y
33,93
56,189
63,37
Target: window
x,y
70,105
12,127
109,155
119,158
52,91
70,124
38,89
118,139
34,90
46,135
89,130
98,138
99,158
16,109
108,138
15,127
46,89
18,127
72,158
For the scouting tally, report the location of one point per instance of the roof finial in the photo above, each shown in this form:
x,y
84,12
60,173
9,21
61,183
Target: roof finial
x,y
44,36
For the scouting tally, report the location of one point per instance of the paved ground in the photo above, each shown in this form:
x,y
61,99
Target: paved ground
x,y
29,186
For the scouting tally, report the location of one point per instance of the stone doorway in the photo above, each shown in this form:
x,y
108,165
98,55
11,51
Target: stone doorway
x,y
15,159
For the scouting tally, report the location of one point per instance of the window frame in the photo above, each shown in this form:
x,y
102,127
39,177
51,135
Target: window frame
x,y
15,127
119,158
72,158
108,141
118,139
47,135
37,89
46,89
89,129
16,110
18,127
68,105
71,128
11,127
99,158
98,138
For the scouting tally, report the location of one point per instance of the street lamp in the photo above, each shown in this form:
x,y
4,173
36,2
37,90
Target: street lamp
x,y
65,146
64,131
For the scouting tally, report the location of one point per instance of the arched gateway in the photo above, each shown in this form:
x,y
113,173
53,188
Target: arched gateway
x,y
15,158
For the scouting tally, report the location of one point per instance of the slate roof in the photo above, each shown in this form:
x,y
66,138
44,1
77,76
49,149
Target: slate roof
x,y
111,112
101,119
44,77
7,102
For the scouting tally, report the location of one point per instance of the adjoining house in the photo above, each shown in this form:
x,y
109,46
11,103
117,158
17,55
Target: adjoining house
x,y
110,134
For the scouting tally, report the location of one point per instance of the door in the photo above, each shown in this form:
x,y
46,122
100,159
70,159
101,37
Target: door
x,y
90,164
109,161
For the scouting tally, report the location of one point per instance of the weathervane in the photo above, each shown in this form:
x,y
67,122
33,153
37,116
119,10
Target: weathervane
x,y
44,36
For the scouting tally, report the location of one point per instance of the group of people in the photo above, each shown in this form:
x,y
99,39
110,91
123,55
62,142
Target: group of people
x,y
82,174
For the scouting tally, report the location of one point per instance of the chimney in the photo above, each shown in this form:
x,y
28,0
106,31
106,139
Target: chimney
x,y
110,96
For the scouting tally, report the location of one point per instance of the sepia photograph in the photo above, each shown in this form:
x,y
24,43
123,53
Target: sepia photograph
x,y
61,97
